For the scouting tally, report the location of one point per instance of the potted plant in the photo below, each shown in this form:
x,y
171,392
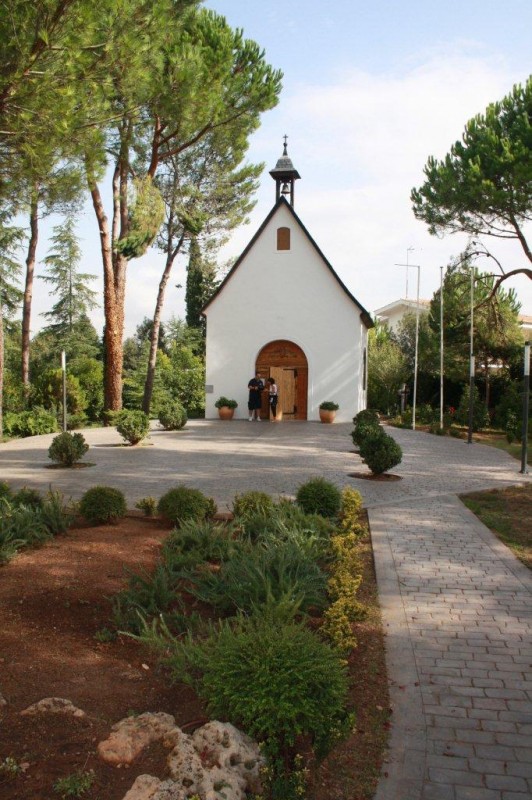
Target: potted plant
x,y
226,407
328,411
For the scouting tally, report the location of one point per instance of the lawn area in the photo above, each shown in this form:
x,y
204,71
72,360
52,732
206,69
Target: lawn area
x,y
508,513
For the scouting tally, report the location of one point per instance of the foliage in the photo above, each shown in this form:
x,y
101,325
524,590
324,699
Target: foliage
x,y
103,504
252,503
328,405
481,419
148,505
184,503
380,451
27,519
172,416
68,448
201,283
387,369
277,681
350,511
146,215
75,299
75,785
277,576
513,428
318,496
366,421
343,585
146,596
133,426
183,377
482,186
47,391
224,402
511,402
30,423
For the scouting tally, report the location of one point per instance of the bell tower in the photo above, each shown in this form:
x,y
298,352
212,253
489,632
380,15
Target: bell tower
x,y
285,175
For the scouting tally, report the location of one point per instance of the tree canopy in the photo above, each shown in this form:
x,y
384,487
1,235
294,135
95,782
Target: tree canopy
x,y
483,186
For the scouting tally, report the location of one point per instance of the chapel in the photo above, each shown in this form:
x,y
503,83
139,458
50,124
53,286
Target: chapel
x,y
282,310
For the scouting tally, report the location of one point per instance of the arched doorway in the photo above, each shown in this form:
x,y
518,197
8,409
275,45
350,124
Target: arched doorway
x,y
287,364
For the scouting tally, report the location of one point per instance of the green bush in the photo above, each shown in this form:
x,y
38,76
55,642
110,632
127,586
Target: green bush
x,y
184,503
172,416
132,426
5,490
380,451
225,401
366,420
251,503
148,505
103,504
481,418
278,682
513,428
30,498
36,422
318,496
329,405
278,576
68,448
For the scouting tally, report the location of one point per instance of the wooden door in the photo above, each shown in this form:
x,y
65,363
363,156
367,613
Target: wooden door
x,y
287,364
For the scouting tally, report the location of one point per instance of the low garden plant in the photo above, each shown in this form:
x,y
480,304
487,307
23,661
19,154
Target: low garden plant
x,y
133,426
318,496
173,416
24,524
103,504
184,503
251,503
68,448
148,505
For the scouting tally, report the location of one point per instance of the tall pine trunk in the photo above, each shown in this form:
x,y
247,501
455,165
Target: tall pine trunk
x,y
1,364
28,290
114,279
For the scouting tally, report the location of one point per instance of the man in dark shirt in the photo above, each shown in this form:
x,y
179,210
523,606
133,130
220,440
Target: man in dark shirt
x,y
255,386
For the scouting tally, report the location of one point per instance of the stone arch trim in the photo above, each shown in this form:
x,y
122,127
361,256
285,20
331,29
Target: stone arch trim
x,y
285,358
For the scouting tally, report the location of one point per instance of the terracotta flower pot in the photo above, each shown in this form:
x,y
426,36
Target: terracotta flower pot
x,y
327,416
225,412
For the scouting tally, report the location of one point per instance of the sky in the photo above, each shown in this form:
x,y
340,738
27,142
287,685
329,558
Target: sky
x,y
370,91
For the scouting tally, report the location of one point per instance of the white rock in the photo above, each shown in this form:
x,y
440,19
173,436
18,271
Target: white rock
x,y
144,788
131,735
54,705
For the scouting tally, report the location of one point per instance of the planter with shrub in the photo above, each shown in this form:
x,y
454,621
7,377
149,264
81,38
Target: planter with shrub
x,y
226,407
328,411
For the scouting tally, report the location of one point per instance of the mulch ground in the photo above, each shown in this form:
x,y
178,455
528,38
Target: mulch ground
x,y
52,603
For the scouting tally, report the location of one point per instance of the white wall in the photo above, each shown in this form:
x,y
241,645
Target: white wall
x,y
285,295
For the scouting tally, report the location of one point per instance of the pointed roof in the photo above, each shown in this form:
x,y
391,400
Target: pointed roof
x,y
284,169
365,316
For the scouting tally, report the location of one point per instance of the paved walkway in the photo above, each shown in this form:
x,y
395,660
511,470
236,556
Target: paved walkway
x,y
456,604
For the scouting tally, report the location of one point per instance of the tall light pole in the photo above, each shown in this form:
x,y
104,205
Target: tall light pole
x,y
471,361
526,394
416,347
408,251
441,348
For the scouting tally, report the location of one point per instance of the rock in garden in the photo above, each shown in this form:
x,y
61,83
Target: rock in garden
x,y
131,735
54,705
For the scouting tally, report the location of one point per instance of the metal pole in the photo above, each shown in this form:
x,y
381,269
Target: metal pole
x,y
471,362
441,348
416,354
524,430
63,367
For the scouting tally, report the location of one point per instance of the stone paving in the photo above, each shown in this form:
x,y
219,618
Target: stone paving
x,y
456,603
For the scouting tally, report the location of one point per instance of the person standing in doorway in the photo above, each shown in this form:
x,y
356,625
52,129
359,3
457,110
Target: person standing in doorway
x,y
255,386
273,397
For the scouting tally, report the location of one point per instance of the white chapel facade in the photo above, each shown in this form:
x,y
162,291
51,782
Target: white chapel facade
x,y
282,310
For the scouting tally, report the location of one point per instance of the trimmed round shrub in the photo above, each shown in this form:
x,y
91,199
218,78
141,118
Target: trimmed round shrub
x,y
103,504
184,503
380,451
252,503
30,498
132,426
67,448
365,422
173,416
319,496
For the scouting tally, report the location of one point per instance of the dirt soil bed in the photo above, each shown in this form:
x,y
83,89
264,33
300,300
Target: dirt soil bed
x,y
52,603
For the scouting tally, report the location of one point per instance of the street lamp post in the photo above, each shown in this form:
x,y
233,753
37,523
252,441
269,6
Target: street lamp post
x,y
441,348
416,346
471,361
526,393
